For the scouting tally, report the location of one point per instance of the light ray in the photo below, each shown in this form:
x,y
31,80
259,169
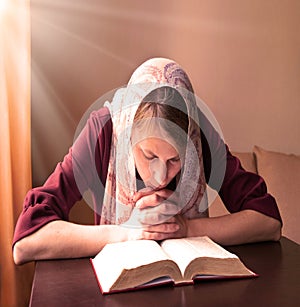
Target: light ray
x,y
86,42
49,113
3,6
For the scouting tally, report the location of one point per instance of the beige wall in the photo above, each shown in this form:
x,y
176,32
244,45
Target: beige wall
x,y
242,56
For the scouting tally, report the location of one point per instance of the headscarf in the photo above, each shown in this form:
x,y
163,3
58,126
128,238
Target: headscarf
x,y
121,183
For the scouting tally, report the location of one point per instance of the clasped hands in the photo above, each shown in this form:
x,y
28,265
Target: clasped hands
x,y
156,216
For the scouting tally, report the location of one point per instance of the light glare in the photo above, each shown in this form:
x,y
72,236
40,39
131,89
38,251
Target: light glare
x,y
3,5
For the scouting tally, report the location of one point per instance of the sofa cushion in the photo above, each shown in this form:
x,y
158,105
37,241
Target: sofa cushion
x,y
282,175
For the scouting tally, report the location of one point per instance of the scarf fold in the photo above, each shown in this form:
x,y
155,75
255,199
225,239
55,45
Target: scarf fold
x,y
121,183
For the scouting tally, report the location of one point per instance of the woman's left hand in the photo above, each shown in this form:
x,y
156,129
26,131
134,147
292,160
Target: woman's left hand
x,y
156,206
175,227
157,215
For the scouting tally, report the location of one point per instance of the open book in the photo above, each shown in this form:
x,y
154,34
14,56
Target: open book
x,y
137,264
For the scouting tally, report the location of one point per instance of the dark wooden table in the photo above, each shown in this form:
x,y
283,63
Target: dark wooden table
x,y
72,283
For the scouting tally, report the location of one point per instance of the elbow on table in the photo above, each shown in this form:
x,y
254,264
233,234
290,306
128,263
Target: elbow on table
x,y
20,255
275,230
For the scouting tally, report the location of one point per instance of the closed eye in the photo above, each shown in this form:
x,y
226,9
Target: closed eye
x,y
149,157
174,160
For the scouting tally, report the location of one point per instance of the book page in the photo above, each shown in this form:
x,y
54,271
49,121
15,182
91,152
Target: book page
x,y
184,250
116,257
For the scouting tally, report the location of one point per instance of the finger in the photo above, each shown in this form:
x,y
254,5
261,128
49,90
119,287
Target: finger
x,y
167,208
164,193
156,199
157,215
150,218
157,236
151,200
171,220
153,216
142,193
155,219
162,228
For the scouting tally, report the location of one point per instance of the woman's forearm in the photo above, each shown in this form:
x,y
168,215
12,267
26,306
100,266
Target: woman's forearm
x,y
60,239
237,228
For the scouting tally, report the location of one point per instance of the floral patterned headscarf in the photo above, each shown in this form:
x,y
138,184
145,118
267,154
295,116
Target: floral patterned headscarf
x,y
121,183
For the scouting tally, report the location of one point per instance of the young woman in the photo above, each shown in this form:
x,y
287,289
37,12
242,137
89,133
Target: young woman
x,y
146,163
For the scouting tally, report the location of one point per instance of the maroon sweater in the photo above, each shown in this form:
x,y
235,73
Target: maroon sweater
x,y
85,167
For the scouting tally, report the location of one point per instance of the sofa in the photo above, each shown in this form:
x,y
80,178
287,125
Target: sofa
x,y
282,175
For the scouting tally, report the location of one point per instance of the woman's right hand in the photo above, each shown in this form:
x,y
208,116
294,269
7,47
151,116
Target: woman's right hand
x,y
156,206
155,216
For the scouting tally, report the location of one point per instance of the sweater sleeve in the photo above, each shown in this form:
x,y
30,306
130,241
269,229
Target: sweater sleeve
x,y
80,170
238,188
243,190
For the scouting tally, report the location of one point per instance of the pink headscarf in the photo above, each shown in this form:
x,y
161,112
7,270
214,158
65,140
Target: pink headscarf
x,y
121,179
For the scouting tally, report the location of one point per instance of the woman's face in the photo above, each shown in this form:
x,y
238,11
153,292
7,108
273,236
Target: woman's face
x,y
157,162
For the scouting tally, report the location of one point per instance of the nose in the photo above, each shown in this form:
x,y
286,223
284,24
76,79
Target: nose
x,y
158,171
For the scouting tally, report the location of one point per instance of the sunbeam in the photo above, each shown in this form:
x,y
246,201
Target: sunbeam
x,y
58,119
78,37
